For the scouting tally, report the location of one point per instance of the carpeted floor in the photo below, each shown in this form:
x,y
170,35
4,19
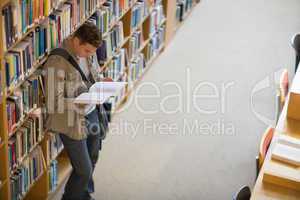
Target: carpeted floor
x,y
196,134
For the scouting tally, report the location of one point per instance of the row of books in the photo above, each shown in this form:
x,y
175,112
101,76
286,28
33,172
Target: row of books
x,y
157,16
136,68
116,68
65,19
102,18
60,24
30,170
29,97
135,43
53,175
25,138
183,6
109,12
114,8
139,12
19,60
110,43
20,15
156,42
55,146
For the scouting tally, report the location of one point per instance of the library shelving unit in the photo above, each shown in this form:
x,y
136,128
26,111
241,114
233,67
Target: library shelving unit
x,y
26,162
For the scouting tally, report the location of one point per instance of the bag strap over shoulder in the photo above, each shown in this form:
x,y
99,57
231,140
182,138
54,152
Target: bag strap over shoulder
x,y
66,55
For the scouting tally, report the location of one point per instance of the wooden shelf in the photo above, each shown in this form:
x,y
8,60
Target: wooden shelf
x,y
34,184
3,182
3,189
2,144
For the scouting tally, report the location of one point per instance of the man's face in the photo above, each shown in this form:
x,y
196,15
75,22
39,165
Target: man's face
x,y
83,50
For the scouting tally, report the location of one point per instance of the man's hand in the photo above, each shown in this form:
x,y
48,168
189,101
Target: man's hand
x,y
107,79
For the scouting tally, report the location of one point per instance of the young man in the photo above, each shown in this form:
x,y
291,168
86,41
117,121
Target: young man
x,y
75,124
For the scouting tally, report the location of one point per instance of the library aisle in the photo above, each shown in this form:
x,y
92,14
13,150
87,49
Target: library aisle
x,y
225,48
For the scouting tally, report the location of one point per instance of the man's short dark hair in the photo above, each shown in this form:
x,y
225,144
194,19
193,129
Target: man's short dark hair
x,y
89,33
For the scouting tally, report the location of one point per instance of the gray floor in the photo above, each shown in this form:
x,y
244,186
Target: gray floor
x,y
225,52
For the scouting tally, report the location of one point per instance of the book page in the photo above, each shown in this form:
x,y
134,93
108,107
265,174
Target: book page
x,y
110,87
92,98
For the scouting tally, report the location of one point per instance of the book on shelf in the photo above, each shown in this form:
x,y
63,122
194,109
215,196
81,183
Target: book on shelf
x,y
19,16
116,68
31,169
23,101
55,146
110,43
183,6
139,12
136,68
156,42
135,43
116,8
157,16
100,92
27,136
53,175
20,59
60,23
102,19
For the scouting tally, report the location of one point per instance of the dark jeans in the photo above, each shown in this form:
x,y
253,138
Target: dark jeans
x,y
83,155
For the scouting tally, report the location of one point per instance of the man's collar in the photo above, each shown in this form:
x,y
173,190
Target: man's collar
x,y
67,45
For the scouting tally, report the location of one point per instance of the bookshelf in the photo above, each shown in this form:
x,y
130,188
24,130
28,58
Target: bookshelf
x,y
139,31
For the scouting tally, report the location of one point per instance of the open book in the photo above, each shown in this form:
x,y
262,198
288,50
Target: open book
x,y
100,92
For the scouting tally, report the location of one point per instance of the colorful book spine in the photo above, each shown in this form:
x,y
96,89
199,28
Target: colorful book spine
x,y
156,42
14,113
157,16
116,68
20,60
23,102
102,18
20,15
30,170
60,24
136,68
183,6
110,43
55,146
139,11
135,43
23,140
53,174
